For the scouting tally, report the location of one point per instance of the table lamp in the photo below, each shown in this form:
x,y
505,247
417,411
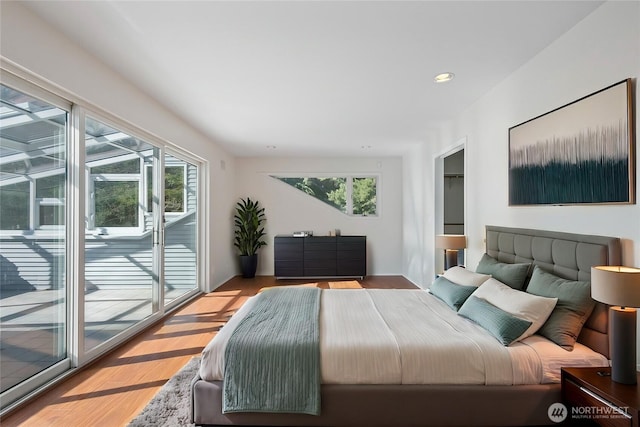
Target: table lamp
x,y
451,243
620,288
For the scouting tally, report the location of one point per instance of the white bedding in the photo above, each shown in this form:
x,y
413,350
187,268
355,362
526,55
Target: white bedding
x,y
391,336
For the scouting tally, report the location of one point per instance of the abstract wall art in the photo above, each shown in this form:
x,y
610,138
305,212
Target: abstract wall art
x,y
582,152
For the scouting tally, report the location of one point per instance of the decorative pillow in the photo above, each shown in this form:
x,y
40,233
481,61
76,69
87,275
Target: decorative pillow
x,y
451,293
462,276
502,325
513,275
573,308
535,309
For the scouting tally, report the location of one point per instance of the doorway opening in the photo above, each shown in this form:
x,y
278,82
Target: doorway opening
x,y
449,200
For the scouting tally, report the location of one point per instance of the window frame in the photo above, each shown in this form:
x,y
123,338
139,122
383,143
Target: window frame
x,y
94,229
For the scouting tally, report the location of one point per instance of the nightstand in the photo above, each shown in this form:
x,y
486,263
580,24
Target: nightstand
x,y
593,398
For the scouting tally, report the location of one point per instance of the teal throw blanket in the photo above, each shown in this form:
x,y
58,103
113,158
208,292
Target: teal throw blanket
x,y
272,359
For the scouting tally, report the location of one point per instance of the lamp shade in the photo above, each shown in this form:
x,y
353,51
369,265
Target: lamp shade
x,y
615,285
451,241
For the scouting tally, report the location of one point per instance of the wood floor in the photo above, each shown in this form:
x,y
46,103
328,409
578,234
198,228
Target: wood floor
x,y
113,390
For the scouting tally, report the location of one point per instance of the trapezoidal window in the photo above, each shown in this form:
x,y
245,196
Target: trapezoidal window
x,y
352,195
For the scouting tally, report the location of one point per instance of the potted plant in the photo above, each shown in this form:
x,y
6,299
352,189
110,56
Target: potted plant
x,y
249,233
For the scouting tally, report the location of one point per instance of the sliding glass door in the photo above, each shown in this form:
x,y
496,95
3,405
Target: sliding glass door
x,y
119,270
180,228
98,234
147,249
33,292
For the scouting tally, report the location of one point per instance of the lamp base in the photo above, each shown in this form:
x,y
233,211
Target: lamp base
x,y
623,345
450,258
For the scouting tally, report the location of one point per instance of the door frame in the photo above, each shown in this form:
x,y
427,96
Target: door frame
x,y
438,194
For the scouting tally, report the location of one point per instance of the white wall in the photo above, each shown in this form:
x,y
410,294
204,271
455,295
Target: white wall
x,y
601,50
288,209
416,214
32,44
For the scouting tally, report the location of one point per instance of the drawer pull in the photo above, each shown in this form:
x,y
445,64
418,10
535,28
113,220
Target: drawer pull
x,y
604,402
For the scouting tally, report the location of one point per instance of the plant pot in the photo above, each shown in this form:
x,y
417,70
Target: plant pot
x,y
248,265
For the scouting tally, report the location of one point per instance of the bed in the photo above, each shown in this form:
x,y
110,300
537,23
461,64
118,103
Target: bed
x,y
505,401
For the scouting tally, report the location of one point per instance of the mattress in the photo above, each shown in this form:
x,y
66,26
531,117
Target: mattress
x,y
392,336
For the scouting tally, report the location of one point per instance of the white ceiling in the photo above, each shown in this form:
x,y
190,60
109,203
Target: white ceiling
x,y
317,78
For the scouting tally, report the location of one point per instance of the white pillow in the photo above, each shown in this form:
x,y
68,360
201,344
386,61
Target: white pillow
x,y
519,303
462,276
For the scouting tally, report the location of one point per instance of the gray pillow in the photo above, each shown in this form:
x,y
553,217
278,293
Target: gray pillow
x,y
513,275
573,308
504,326
451,293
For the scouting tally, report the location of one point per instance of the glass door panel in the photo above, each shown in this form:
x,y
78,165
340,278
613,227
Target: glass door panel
x,y
33,294
180,228
119,274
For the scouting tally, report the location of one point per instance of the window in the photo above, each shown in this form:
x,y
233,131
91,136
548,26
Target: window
x,y
50,201
364,196
115,203
329,190
114,161
352,195
174,189
115,192
47,204
14,209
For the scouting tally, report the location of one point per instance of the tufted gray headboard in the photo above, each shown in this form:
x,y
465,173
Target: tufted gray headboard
x,y
566,255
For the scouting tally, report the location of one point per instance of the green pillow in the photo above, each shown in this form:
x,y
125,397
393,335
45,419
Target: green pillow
x,y
513,275
451,293
504,326
573,308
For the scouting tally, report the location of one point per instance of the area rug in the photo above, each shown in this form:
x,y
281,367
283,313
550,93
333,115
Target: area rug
x,y
171,406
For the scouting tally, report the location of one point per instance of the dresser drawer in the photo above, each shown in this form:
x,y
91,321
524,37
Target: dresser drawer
x,y
289,269
351,267
354,244
320,244
288,248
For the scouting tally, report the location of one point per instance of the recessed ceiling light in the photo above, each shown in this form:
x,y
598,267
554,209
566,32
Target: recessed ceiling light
x,y
443,77
271,147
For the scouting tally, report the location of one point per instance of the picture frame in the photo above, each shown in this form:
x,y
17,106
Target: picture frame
x,y
580,153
